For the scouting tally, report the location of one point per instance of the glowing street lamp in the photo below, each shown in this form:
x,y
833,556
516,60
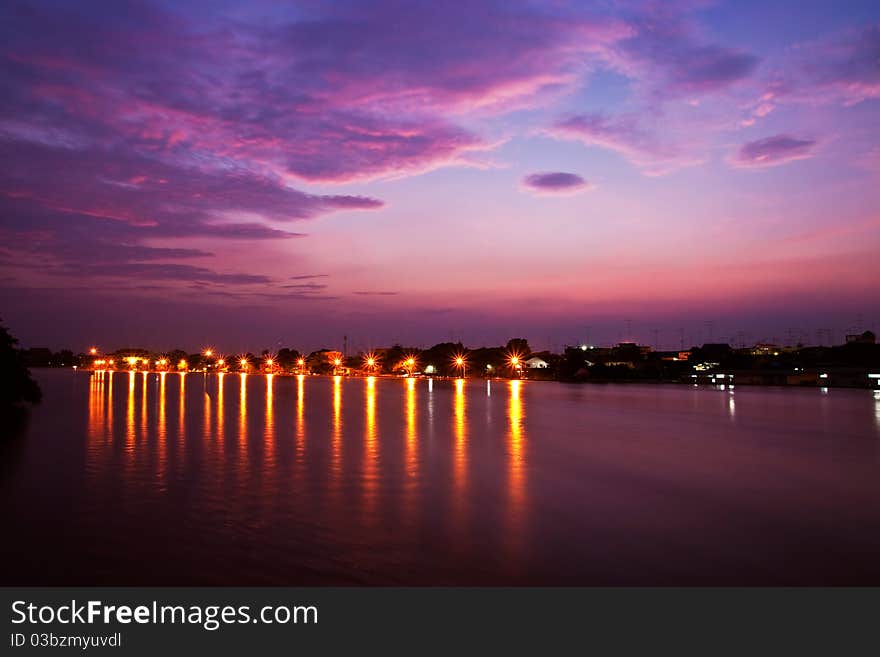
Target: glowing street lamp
x,y
514,360
270,363
301,362
209,352
409,365
243,364
461,363
370,362
93,351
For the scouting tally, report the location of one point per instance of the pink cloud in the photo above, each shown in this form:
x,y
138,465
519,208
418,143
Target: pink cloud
x,y
625,135
773,151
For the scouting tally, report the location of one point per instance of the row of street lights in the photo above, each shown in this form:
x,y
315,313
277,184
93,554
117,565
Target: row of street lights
x,y
370,360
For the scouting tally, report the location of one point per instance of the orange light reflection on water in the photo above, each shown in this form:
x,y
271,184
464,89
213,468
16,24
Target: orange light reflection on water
x,y
516,466
459,467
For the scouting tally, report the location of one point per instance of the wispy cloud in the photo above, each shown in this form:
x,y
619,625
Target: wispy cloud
x,y
773,151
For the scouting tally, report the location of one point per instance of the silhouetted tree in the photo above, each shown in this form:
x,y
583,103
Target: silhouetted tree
x,y
519,346
16,384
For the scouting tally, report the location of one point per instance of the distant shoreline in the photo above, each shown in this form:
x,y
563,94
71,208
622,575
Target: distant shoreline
x,y
393,377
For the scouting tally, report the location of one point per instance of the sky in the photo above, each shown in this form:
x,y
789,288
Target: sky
x,y
269,174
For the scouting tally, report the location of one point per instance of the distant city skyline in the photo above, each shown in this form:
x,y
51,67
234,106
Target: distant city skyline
x,y
260,174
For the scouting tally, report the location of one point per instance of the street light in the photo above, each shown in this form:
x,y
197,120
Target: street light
x,y
243,364
515,362
93,351
209,352
461,363
370,362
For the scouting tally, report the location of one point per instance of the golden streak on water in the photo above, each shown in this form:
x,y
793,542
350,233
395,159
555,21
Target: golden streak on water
x,y
129,417
460,431
110,403
516,459
300,413
242,408
182,405
221,409
144,415
270,412
96,404
162,429
206,420
411,430
371,447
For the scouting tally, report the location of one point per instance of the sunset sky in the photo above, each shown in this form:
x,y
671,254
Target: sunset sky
x,y
264,174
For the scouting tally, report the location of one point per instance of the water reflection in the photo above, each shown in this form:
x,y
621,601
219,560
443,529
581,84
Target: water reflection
x,y
144,415
419,469
270,408
516,459
220,408
300,413
337,427
129,416
412,436
242,406
97,427
109,426
181,413
161,414
459,429
371,449
161,431
877,408
411,446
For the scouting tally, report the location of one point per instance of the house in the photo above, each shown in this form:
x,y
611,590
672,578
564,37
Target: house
x,y
535,363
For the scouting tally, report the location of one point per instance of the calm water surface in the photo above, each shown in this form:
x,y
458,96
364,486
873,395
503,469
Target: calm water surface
x,y
230,479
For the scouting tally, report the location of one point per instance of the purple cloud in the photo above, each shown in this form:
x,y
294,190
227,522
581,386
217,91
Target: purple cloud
x,y
847,66
772,151
625,135
369,293
671,61
164,272
557,182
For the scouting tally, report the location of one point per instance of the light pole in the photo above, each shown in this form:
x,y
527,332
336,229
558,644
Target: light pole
x,y
515,362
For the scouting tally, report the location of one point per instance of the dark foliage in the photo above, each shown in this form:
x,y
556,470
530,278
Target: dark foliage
x,y
16,384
